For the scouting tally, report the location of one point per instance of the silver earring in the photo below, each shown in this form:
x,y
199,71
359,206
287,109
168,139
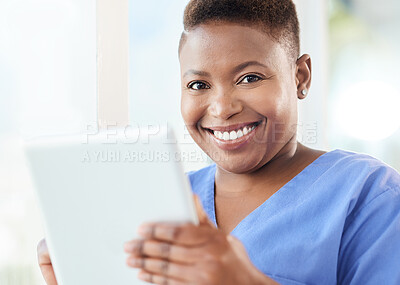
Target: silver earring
x,y
304,92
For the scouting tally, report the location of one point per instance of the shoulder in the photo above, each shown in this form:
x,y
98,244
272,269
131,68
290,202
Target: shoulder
x,y
349,159
364,198
354,181
360,171
370,242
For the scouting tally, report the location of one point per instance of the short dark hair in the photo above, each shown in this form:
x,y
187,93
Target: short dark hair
x,y
278,18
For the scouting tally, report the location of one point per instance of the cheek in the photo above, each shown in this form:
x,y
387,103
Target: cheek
x,y
278,105
191,110
270,102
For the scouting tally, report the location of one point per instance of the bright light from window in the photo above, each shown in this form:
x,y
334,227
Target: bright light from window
x,y
369,110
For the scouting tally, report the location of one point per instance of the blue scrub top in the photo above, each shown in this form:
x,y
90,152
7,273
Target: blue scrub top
x,y
336,222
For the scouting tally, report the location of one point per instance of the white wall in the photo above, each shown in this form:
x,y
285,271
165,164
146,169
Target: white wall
x,y
47,86
112,19
48,61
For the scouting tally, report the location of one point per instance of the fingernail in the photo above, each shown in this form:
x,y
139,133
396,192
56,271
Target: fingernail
x,y
144,231
135,262
144,276
129,247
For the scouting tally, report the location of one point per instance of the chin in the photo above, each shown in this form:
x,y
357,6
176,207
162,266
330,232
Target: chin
x,y
237,166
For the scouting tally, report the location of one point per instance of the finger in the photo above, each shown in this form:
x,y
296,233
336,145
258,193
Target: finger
x,y
238,247
184,234
203,217
45,263
162,267
48,274
43,253
162,250
159,279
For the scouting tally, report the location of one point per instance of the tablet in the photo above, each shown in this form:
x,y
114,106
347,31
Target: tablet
x,y
95,190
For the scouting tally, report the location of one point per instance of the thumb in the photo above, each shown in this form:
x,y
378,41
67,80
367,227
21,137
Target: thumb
x,y
45,263
203,218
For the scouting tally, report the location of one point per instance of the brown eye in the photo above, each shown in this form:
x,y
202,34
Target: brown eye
x,y
198,85
251,79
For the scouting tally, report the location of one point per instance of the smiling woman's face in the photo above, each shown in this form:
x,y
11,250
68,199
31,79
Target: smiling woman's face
x,y
239,95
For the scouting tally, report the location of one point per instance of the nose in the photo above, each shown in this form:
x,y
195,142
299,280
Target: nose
x,y
225,105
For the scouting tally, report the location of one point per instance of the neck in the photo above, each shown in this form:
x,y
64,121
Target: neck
x,y
274,174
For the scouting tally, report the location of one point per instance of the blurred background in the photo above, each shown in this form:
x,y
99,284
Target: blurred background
x,y
48,85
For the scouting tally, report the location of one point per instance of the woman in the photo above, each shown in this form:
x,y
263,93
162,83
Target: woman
x,y
275,210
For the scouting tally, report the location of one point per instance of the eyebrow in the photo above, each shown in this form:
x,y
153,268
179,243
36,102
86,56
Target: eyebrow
x,y
196,72
237,69
242,66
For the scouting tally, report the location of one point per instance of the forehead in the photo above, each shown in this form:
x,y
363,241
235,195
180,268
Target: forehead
x,y
215,45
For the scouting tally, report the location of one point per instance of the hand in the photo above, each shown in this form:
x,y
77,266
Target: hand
x,y
177,254
45,263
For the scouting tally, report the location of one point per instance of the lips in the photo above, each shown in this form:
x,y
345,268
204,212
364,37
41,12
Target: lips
x,y
233,132
233,136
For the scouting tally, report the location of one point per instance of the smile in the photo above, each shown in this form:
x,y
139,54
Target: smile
x,y
232,137
234,134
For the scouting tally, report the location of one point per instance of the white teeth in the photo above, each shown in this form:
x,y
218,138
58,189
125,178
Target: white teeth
x,y
233,135
226,136
218,135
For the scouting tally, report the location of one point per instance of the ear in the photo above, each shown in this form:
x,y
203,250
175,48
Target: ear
x,y
303,76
